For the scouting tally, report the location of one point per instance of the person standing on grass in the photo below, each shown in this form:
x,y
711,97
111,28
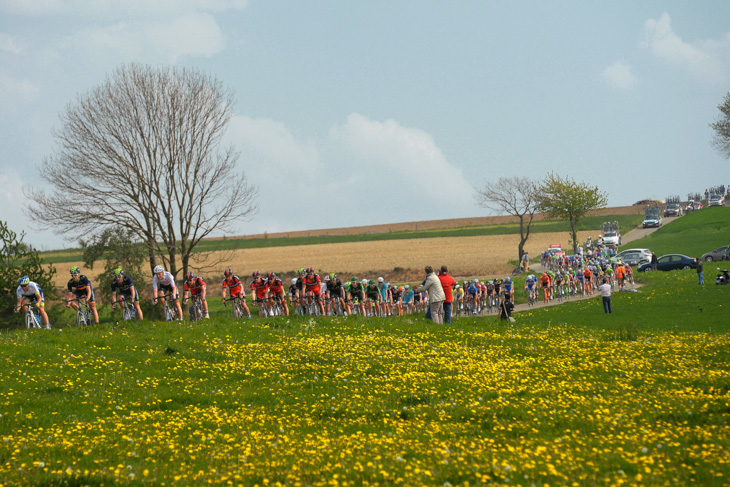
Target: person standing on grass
x,y
447,284
525,262
436,296
605,289
654,261
700,272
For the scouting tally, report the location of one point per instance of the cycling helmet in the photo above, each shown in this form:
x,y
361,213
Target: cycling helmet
x,y
327,277
294,281
400,288
310,270
507,279
256,274
24,281
371,282
228,272
365,281
75,270
158,269
408,286
118,272
476,280
189,276
353,279
380,279
333,276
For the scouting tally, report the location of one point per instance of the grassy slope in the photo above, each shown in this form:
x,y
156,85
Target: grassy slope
x,y
693,234
588,223
567,395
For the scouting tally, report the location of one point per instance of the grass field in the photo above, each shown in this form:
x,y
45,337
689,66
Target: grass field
x,y
693,234
565,396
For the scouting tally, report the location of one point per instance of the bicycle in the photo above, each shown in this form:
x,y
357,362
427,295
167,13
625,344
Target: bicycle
x,y
170,312
238,310
83,313
32,317
197,312
127,309
532,295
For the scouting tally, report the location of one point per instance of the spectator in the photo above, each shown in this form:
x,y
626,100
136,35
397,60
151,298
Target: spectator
x,y
700,272
653,261
505,310
605,289
436,295
447,284
525,262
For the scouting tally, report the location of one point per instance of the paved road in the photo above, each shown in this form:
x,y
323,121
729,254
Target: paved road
x,y
640,232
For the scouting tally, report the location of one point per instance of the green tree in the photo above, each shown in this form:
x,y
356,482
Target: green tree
x,y
117,247
567,199
721,140
18,259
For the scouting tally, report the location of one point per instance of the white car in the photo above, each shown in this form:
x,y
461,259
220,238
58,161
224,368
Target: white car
x,y
635,256
612,238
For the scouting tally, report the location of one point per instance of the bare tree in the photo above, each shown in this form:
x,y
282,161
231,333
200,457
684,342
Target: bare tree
x,y
143,151
514,196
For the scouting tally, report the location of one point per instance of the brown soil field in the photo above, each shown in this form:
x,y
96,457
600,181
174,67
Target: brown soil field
x,y
433,224
396,260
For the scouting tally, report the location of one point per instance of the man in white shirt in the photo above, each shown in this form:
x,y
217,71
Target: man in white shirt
x,y
605,289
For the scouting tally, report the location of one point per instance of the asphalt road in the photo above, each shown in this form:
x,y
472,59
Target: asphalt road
x,y
641,232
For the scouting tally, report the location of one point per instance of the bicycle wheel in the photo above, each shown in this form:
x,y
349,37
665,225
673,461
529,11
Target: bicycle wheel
x,y
29,319
237,310
126,313
169,315
80,318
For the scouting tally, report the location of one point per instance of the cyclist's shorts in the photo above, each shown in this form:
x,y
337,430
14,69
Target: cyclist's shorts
x,y
127,293
166,288
82,294
544,285
336,294
314,290
34,297
239,294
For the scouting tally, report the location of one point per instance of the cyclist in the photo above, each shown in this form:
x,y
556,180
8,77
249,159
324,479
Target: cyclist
x,y
258,291
335,292
374,297
79,287
408,298
275,290
531,286
162,284
195,286
29,292
293,292
508,289
356,296
588,279
313,288
122,286
396,296
233,284
383,287
545,283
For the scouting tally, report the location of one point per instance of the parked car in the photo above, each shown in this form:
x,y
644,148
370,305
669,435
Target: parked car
x,y
671,262
673,209
612,238
720,253
635,256
716,200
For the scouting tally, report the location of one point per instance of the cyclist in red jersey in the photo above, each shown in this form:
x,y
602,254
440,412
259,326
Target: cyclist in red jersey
x,y
588,276
313,288
234,286
195,286
274,289
258,291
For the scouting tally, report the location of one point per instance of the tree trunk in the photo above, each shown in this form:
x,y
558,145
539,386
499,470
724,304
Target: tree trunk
x,y
574,233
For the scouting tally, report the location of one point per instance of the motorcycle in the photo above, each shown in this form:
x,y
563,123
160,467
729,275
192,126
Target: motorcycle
x,y
723,277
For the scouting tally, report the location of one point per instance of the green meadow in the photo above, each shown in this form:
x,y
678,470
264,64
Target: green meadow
x,y
566,395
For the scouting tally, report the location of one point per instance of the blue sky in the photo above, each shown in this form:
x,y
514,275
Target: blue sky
x,y
389,111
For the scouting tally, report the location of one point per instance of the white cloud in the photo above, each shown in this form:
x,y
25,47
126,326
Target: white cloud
x,y
406,160
8,44
619,76
117,8
708,60
187,35
265,142
13,89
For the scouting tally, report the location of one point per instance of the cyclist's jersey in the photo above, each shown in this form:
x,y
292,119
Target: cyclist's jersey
x,y
32,290
293,290
258,286
545,280
383,288
300,285
79,287
196,289
587,273
472,289
372,293
234,285
497,285
335,287
276,287
356,290
395,295
530,282
408,296
313,284
124,287
167,281
459,293
507,287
